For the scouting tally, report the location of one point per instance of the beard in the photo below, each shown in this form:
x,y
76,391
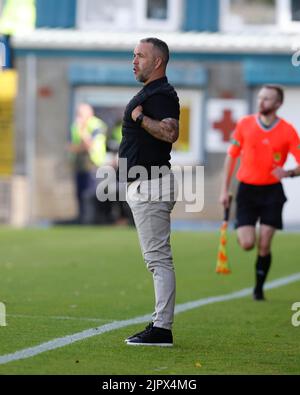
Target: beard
x,y
141,78
266,111
144,75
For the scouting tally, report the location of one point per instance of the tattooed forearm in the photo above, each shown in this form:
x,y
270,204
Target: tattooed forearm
x,y
166,130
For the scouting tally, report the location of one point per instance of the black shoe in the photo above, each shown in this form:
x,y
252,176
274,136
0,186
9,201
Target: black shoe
x,y
152,336
148,327
258,295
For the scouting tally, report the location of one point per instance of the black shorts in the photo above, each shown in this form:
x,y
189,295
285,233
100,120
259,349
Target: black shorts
x,y
263,203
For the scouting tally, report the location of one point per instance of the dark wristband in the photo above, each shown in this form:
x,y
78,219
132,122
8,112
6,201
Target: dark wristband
x,y
139,119
292,173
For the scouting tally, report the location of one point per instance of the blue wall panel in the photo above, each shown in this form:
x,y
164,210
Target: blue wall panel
x,y
193,76
202,15
55,13
278,71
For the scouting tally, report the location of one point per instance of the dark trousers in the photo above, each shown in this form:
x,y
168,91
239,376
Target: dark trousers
x,y
91,210
85,184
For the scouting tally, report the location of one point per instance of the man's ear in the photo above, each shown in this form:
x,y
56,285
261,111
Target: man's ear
x,y
158,62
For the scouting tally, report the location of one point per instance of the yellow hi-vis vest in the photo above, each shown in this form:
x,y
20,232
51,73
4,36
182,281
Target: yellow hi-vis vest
x,y
18,16
97,130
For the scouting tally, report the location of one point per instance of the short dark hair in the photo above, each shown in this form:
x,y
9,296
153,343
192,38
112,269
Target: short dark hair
x,y
160,45
279,89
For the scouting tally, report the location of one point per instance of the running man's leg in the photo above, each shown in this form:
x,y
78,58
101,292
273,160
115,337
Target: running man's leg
x,y
264,259
265,238
246,237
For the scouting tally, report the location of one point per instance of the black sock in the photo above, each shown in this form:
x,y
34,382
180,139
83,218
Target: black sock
x,y
263,264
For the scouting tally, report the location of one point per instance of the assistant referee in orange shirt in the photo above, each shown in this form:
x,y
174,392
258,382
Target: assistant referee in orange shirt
x,y
263,142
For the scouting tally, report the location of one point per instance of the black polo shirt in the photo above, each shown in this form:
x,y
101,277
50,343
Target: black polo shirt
x,y
138,146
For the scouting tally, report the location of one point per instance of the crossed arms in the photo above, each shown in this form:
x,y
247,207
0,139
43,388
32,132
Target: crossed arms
x,y
166,130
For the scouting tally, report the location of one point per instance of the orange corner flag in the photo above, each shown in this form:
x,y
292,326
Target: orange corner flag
x,y
222,259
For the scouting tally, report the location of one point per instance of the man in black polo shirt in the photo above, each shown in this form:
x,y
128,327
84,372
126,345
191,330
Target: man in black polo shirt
x,y
150,126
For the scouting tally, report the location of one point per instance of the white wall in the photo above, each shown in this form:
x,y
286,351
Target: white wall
x,y
290,111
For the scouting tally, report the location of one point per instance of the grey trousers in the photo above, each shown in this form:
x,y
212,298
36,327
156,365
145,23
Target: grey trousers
x,y
151,203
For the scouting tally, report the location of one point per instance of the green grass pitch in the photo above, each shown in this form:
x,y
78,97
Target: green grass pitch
x,y
60,281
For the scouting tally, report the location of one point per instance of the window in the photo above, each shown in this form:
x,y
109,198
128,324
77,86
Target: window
x,y
128,15
157,9
163,15
295,10
105,15
238,14
289,15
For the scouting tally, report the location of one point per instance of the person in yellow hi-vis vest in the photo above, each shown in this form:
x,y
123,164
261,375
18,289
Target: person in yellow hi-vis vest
x,y
88,149
17,16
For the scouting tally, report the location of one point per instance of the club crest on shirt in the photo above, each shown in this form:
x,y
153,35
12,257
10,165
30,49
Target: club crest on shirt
x,y
277,156
235,142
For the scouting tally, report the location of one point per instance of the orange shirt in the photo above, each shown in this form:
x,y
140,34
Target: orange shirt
x,y
262,150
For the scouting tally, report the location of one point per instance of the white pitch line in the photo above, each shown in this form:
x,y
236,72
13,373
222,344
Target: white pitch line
x,y
61,318
64,341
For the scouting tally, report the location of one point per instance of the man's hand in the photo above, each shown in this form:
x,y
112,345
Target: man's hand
x,y
225,199
166,130
280,173
136,112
